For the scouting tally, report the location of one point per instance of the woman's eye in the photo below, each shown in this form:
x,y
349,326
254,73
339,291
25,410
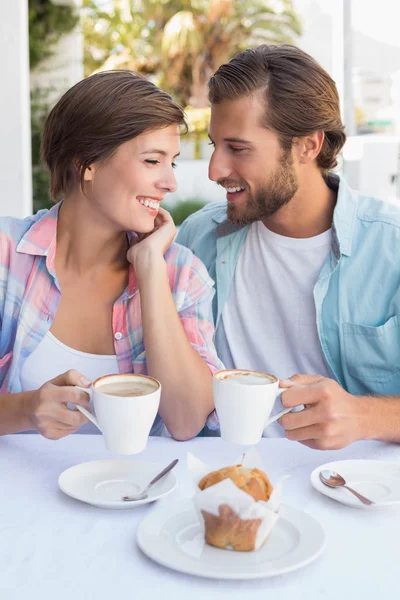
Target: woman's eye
x,y
235,149
211,144
174,165
152,161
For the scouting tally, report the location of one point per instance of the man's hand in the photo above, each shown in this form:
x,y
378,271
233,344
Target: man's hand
x,y
48,411
332,418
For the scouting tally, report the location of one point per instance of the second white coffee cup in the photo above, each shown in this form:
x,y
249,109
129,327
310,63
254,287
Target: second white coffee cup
x,y
244,400
125,407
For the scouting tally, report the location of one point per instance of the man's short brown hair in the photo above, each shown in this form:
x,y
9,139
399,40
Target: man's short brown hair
x,y
300,95
97,115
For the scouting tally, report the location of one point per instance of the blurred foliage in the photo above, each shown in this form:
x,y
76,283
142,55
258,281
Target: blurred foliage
x,y
180,43
40,176
47,24
184,208
198,120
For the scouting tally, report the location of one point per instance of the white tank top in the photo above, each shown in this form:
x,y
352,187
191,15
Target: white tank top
x,y
52,358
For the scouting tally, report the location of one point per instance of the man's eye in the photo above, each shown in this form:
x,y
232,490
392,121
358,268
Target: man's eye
x,y
235,149
152,161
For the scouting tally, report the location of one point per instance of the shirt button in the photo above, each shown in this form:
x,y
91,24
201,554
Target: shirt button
x,y
118,335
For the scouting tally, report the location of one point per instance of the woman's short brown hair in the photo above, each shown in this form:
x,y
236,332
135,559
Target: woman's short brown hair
x,y
300,95
97,115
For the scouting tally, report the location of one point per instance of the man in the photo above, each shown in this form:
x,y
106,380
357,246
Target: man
x,y
307,271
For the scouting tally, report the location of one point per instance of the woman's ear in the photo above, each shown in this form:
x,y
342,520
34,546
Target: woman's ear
x,y
88,174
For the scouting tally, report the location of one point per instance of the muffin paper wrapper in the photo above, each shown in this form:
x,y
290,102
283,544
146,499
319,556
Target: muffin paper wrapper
x,y
226,492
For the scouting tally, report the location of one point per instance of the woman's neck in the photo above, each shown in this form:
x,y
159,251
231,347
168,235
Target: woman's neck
x,y
85,241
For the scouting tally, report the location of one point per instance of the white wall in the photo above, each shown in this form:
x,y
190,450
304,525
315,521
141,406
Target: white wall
x,y
15,140
194,184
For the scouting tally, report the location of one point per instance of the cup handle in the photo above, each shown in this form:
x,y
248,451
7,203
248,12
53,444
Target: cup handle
x,y
86,412
280,414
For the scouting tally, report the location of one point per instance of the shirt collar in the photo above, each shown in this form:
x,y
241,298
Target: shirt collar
x,y
41,236
343,217
41,240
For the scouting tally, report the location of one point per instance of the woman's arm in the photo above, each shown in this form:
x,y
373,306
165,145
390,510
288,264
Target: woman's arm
x,y
177,345
13,415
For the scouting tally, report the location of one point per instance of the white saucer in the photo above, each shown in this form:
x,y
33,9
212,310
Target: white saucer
x,y
170,535
377,480
103,482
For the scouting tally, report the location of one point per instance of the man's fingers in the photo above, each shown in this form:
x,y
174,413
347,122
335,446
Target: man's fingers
x,y
299,395
300,379
312,432
302,418
71,377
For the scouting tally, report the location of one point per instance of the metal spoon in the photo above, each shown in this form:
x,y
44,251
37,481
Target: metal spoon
x,y
143,494
332,479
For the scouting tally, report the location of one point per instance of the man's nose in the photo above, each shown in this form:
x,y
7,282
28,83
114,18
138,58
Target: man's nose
x,y
218,168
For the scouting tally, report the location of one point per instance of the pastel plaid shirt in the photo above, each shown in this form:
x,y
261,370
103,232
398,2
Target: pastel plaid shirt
x,y
30,294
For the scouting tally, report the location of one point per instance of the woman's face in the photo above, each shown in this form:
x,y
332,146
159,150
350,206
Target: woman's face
x,y
127,188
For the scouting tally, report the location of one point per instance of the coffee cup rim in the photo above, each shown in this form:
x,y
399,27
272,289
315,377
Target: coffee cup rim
x,y
218,375
117,376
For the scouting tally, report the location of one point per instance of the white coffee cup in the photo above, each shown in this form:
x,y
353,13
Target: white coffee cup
x,y
243,401
125,407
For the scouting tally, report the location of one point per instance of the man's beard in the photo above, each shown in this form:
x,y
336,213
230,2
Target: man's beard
x,y
270,196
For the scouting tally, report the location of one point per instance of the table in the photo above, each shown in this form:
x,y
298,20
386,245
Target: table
x,y
55,547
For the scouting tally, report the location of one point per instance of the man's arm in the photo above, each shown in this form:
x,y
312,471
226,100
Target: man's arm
x,y
333,418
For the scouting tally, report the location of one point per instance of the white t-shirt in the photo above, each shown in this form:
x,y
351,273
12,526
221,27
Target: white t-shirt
x,y
52,358
269,320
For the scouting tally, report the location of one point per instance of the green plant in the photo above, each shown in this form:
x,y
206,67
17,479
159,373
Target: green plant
x,y
40,176
47,24
184,209
182,42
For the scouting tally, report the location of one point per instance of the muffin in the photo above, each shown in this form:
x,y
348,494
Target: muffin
x,y
227,530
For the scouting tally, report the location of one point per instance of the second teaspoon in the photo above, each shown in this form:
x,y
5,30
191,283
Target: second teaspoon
x,y
333,479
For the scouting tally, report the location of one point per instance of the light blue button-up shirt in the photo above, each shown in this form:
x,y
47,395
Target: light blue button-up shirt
x,y
357,294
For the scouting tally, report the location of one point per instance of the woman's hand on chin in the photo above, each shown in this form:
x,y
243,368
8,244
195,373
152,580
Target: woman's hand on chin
x,y
150,248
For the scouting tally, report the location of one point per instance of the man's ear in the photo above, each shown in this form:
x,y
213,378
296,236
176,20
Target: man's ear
x,y
309,146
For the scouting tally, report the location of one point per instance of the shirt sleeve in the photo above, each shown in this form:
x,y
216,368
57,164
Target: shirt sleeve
x,y
197,321
196,314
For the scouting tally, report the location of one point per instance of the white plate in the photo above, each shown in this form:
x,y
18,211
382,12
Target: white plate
x,y
170,536
103,482
377,480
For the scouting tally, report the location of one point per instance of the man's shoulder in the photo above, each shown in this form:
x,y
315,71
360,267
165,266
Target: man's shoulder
x,y
199,231
373,210
210,215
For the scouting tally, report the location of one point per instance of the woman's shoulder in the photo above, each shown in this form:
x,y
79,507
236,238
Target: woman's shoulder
x,y
12,230
180,258
186,272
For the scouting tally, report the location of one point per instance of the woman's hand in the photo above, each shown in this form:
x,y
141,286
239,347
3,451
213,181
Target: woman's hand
x,y
47,408
151,247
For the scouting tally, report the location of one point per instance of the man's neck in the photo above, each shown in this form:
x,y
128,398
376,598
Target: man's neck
x,y
310,211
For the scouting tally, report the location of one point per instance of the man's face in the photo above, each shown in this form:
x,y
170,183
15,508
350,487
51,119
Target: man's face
x,y
249,162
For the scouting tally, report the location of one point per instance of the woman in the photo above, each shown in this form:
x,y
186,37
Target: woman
x,y
81,295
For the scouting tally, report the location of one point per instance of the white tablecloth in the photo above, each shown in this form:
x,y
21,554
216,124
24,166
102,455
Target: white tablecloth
x,y
54,547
